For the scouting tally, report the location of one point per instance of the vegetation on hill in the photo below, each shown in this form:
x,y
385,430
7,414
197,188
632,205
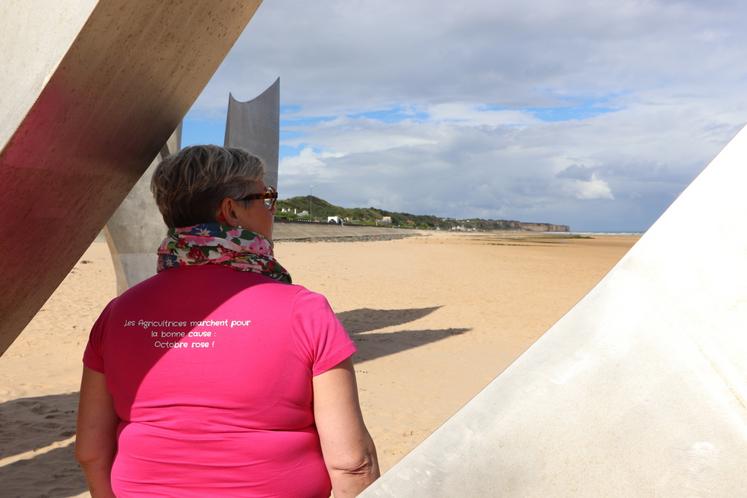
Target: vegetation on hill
x,y
311,208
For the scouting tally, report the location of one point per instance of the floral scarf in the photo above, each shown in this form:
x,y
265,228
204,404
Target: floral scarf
x,y
214,243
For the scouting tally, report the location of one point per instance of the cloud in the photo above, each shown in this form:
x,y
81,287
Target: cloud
x,y
594,114
593,188
577,172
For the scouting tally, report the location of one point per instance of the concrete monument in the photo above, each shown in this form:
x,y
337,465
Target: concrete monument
x,y
91,90
136,228
639,390
254,126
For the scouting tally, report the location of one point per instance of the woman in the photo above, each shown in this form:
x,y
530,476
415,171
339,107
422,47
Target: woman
x,y
217,376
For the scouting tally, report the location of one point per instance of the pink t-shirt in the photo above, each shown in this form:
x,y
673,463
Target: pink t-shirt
x,y
211,373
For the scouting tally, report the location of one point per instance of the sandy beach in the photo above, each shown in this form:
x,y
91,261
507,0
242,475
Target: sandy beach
x,y
435,318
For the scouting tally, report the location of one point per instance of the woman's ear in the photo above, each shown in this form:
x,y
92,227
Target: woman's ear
x,y
227,213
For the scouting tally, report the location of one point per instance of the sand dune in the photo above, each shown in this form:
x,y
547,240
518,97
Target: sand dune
x,y
435,318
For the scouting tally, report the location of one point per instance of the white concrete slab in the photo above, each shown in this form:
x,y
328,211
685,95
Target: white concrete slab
x,y
30,51
90,92
640,390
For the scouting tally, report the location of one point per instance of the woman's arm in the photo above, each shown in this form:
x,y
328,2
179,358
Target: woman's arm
x,y
348,449
96,440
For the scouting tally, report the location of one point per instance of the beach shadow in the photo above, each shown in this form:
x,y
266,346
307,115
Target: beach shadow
x,y
31,423
365,319
51,474
376,345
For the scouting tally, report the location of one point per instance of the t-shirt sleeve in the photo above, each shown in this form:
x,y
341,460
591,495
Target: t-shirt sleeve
x,y
321,336
93,356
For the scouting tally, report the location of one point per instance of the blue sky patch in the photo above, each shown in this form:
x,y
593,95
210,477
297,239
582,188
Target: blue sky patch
x,y
289,108
304,120
577,108
392,115
289,134
291,150
577,112
197,131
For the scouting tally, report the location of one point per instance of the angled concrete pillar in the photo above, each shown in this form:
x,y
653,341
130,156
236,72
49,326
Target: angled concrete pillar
x,y
91,90
639,390
254,125
136,228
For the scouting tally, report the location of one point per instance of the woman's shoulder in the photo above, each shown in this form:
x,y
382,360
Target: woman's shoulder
x,y
308,301
301,292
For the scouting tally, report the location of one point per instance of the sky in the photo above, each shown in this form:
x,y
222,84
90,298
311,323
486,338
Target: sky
x,y
593,114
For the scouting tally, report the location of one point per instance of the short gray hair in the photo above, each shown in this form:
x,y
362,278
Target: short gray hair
x,y
189,186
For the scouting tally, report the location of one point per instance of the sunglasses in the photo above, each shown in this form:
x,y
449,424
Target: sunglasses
x,y
269,197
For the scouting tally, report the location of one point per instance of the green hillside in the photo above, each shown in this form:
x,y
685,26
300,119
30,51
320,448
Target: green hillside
x,y
311,208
